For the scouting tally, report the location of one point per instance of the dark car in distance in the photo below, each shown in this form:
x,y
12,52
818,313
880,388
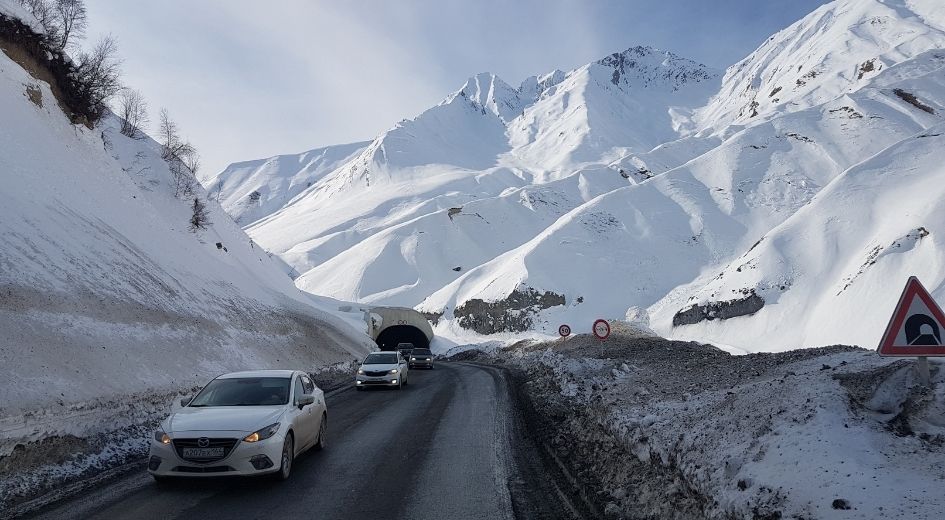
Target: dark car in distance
x,y
404,349
421,358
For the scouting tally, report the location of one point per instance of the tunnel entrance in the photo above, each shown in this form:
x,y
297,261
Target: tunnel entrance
x,y
391,336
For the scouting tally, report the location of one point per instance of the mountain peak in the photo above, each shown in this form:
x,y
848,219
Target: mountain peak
x,y
644,66
487,91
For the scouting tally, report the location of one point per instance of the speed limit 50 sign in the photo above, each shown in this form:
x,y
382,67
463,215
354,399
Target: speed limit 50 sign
x,y
564,331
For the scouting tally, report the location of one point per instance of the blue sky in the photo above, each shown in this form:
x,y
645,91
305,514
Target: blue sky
x,y
247,80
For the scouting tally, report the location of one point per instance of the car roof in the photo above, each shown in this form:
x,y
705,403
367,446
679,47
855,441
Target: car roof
x,y
258,373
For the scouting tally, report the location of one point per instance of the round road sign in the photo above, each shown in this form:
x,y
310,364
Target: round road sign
x,y
601,329
564,330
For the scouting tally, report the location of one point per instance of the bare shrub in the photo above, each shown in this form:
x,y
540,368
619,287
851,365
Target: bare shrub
x,y
97,75
133,111
199,218
63,21
72,19
181,156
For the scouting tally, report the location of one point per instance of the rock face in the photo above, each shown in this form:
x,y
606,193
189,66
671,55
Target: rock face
x,y
513,314
723,310
433,317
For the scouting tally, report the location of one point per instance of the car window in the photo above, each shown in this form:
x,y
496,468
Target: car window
x,y
244,391
298,389
378,358
308,385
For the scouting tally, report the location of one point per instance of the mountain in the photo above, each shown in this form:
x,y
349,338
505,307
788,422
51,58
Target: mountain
x,y
256,189
638,185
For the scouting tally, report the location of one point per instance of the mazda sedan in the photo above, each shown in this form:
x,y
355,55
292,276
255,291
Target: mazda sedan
x,y
244,423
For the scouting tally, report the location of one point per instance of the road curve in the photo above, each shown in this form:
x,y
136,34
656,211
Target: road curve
x,y
446,446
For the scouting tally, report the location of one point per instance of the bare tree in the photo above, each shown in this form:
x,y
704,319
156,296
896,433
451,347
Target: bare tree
x,y
192,162
45,13
182,158
97,74
199,218
172,144
72,19
133,110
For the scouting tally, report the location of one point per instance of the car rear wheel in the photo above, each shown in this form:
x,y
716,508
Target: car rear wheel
x,y
288,454
321,442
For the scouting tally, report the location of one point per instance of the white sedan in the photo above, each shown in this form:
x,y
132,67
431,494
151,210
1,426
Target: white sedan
x,y
383,369
244,423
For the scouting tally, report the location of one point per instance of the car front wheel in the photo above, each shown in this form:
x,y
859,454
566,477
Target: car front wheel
x,y
288,454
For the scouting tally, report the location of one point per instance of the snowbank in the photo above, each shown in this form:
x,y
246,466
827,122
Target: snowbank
x,y
110,306
689,431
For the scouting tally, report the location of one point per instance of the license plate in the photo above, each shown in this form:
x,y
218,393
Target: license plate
x,y
203,453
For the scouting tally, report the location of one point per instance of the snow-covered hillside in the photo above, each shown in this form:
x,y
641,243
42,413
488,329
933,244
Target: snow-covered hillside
x,y
634,181
255,189
106,294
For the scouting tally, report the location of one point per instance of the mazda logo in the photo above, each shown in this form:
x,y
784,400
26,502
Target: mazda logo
x,y
203,442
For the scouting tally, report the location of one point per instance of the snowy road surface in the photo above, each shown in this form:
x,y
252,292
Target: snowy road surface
x,y
446,446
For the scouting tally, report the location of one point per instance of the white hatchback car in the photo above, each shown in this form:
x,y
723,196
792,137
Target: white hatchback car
x,y
244,423
383,369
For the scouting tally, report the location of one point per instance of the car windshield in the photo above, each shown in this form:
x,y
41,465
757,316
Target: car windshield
x,y
381,359
244,391
420,352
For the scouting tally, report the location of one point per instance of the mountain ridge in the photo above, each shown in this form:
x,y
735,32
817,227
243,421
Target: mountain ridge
x,y
629,182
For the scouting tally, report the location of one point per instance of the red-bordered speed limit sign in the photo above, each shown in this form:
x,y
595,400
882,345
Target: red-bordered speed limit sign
x,y
601,329
564,331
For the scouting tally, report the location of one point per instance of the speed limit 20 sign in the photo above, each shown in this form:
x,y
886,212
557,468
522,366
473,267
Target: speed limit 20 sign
x,y
601,329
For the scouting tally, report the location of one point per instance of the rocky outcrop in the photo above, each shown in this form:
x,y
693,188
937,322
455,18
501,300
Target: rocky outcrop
x,y
723,310
433,317
515,313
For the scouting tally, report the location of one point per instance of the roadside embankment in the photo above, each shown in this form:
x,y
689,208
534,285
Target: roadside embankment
x,y
651,428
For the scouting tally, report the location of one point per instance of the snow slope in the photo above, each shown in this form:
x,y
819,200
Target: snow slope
x,y
256,189
99,274
634,181
479,152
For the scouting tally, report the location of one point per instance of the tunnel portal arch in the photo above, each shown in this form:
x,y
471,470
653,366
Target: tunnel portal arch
x,y
392,325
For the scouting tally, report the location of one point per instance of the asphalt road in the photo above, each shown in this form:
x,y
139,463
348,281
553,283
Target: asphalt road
x,y
449,445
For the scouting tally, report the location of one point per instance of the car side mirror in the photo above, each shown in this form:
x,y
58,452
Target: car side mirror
x,y
305,400
185,401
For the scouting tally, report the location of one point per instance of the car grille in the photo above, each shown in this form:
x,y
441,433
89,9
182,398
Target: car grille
x,y
375,373
375,382
209,469
227,444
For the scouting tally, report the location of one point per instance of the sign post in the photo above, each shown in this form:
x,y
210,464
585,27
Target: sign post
x,y
915,329
564,331
601,329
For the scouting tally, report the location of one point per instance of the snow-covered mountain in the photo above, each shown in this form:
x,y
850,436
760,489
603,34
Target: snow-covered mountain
x,y
644,182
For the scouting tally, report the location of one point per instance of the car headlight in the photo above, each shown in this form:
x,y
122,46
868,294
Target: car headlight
x,y
360,370
162,437
413,359
262,433
394,371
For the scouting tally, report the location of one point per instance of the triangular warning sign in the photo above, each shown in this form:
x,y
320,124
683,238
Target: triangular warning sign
x,y
917,327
